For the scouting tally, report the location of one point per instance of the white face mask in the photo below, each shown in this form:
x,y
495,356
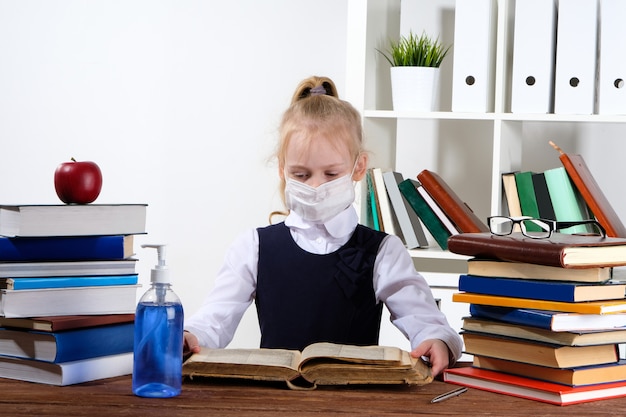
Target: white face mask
x,y
321,203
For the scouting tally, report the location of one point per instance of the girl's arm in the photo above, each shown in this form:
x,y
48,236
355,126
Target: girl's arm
x,y
214,324
411,303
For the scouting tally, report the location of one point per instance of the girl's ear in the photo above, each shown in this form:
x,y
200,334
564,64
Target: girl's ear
x,y
361,167
281,172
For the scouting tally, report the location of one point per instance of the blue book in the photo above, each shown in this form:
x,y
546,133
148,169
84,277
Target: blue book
x,y
565,291
67,346
551,320
65,282
63,248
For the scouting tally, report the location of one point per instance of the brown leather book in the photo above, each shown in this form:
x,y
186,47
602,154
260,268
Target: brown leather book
x,y
455,208
58,323
592,193
561,250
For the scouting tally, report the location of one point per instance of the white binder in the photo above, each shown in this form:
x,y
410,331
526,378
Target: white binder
x,y
576,57
474,56
612,71
534,43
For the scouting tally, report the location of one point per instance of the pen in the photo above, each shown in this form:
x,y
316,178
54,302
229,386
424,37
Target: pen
x,y
448,394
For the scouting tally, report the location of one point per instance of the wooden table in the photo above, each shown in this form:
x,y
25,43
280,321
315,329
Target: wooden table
x,y
113,397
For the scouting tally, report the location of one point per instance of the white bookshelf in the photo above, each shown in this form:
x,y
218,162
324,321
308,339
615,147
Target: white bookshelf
x,y
469,150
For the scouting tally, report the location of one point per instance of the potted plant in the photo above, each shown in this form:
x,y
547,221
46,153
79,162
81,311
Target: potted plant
x,y
415,62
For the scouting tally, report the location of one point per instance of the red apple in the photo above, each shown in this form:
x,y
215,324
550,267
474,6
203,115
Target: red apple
x,y
78,182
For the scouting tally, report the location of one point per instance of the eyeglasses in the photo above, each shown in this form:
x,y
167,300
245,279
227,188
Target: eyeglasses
x,y
539,228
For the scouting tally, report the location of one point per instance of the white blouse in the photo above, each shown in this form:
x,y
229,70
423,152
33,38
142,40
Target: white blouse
x,y
396,283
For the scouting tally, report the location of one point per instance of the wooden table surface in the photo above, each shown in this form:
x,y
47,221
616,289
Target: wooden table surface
x,y
113,397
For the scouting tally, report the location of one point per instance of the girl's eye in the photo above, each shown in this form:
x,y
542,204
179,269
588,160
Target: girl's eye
x,y
299,175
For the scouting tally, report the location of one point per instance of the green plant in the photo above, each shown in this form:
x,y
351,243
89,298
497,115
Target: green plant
x,y
416,51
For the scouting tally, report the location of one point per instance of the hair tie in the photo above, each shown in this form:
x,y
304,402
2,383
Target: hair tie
x,y
318,91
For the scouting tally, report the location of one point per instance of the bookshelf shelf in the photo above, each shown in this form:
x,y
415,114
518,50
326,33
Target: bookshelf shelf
x,y
512,117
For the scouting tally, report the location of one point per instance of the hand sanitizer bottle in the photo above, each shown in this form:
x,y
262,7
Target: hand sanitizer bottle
x,y
158,344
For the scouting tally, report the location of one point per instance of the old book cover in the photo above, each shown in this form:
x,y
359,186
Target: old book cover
x,y
408,221
509,187
525,270
577,376
527,196
571,292
409,189
454,207
568,203
66,373
531,388
555,321
588,307
560,250
526,351
318,364
592,193
69,345
542,195
59,323
72,220
66,248
115,299
570,338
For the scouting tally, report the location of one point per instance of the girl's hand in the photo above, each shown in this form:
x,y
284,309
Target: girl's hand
x,y
437,353
190,344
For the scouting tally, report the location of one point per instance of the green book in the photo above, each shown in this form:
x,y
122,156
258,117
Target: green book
x,y
408,188
371,201
527,197
567,201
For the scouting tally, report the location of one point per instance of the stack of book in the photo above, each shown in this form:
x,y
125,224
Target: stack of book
x,y
400,206
566,193
68,291
546,316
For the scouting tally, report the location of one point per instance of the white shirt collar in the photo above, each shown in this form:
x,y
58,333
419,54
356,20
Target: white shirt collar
x,y
341,225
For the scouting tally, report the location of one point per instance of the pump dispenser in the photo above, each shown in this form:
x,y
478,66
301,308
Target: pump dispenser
x,y
158,344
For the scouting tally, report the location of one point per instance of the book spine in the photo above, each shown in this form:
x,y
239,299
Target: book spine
x,y
519,316
544,202
371,200
568,203
592,193
94,342
455,208
411,229
65,282
506,250
510,192
550,291
527,199
425,213
65,248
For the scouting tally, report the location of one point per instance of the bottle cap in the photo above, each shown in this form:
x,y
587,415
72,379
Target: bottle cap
x,y
160,273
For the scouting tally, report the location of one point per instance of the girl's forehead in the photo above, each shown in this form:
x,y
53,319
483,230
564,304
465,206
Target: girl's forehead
x,y
324,143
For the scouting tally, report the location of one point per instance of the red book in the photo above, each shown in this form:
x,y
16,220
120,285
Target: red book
x,y
533,389
452,205
592,193
560,250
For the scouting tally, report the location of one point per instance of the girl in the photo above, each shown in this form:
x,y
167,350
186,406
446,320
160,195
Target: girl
x,y
319,275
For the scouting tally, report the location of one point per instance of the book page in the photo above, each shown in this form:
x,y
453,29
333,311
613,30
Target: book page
x,y
266,357
360,354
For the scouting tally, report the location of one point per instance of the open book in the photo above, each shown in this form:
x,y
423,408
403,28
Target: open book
x,y
318,364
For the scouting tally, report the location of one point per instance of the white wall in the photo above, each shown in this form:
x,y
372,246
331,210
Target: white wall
x,y
177,101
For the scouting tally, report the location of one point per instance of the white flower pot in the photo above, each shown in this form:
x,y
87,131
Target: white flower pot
x,y
414,88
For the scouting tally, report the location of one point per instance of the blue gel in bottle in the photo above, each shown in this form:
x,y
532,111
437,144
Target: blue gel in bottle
x,y
158,344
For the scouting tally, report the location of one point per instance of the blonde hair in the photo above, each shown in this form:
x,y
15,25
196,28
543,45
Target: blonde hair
x,y
316,108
